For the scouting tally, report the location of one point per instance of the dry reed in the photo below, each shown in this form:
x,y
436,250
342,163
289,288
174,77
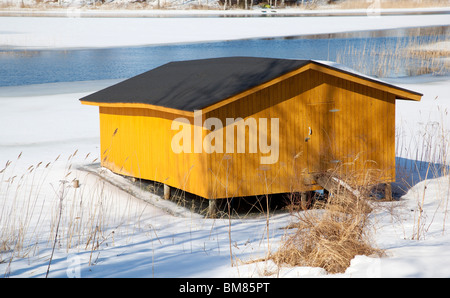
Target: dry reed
x,y
82,217
329,240
402,56
331,233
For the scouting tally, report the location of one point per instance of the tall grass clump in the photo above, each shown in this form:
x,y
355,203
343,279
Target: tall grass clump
x,y
330,234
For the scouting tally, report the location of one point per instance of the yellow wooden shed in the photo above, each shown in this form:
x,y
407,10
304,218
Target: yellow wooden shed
x,y
244,126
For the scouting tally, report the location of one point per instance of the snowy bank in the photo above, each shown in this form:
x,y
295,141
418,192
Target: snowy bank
x,y
63,32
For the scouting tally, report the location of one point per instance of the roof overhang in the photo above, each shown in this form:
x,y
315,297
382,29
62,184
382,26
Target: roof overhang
x,y
400,93
327,68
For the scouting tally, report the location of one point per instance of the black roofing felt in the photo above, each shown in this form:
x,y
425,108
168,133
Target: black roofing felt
x,y
195,84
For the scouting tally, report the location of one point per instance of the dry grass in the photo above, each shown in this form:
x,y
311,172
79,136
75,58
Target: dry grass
x,y
403,56
409,59
80,217
329,239
330,234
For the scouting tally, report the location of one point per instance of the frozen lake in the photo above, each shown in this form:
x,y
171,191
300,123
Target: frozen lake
x,y
363,51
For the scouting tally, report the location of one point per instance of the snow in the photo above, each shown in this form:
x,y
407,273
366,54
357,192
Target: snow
x,y
51,32
118,230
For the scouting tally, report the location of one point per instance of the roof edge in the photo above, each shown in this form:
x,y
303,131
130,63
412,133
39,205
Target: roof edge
x,y
138,106
400,94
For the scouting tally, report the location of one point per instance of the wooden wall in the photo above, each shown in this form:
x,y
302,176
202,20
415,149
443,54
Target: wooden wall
x,y
141,147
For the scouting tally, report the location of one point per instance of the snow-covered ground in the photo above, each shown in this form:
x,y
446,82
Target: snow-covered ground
x,y
51,32
44,121
106,232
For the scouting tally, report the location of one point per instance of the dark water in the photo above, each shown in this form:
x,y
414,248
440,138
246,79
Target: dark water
x,y
362,51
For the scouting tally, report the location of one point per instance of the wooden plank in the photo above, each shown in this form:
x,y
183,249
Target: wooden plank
x,y
364,112
166,192
388,191
280,181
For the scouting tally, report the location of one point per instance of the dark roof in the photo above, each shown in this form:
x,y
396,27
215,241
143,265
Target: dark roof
x,y
195,84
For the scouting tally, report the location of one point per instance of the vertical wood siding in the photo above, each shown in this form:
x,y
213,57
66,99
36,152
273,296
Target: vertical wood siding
x,y
141,147
353,131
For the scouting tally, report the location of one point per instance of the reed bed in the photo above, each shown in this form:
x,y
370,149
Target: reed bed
x,y
40,211
401,56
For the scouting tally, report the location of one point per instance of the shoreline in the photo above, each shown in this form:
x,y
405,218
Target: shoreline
x,y
105,32
73,11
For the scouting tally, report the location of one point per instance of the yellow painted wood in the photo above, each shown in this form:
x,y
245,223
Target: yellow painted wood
x,y
137,142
